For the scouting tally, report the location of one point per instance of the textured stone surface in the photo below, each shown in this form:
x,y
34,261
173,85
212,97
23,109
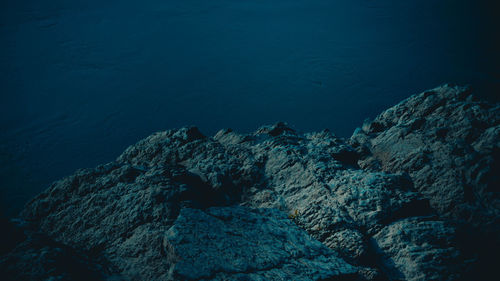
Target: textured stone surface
x,y
448,142
227,243
418,249
400,200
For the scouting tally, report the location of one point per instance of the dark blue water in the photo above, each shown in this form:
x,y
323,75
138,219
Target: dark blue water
x,y
81,80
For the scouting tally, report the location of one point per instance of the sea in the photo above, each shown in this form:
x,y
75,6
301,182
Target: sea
x,y
80,80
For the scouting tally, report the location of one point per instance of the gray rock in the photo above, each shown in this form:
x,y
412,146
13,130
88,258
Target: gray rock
x,y
390,203
238,243
448,143
418,249
120,212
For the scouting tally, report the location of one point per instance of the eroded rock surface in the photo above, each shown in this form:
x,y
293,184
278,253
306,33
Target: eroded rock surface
x,y
448,143
239,243
419,249
394,202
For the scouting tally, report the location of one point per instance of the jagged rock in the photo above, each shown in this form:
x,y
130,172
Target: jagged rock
x,y
121,212
449,143
183,206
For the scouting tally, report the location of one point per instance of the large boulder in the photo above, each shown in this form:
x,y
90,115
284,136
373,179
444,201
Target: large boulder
x,y
238,243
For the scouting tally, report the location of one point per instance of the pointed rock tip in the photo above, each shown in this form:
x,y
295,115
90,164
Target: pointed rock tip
x,y
276,129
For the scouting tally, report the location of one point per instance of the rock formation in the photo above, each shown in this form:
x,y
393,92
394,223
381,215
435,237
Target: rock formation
x,y
412,195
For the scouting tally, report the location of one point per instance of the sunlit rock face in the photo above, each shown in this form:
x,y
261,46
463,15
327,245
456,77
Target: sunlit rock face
x,y
412,195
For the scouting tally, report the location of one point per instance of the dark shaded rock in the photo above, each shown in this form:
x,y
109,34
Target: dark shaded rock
x,y
10,235
121,220
397,201
34,256
419,249
449,143
277,129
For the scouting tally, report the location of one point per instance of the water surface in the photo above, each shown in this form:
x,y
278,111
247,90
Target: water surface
x,y
82,80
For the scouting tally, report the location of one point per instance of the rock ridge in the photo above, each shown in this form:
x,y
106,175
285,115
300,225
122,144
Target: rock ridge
x,y
401,199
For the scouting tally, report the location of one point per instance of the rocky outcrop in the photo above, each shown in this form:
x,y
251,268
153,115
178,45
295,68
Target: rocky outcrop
x,y
391,203
448,142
